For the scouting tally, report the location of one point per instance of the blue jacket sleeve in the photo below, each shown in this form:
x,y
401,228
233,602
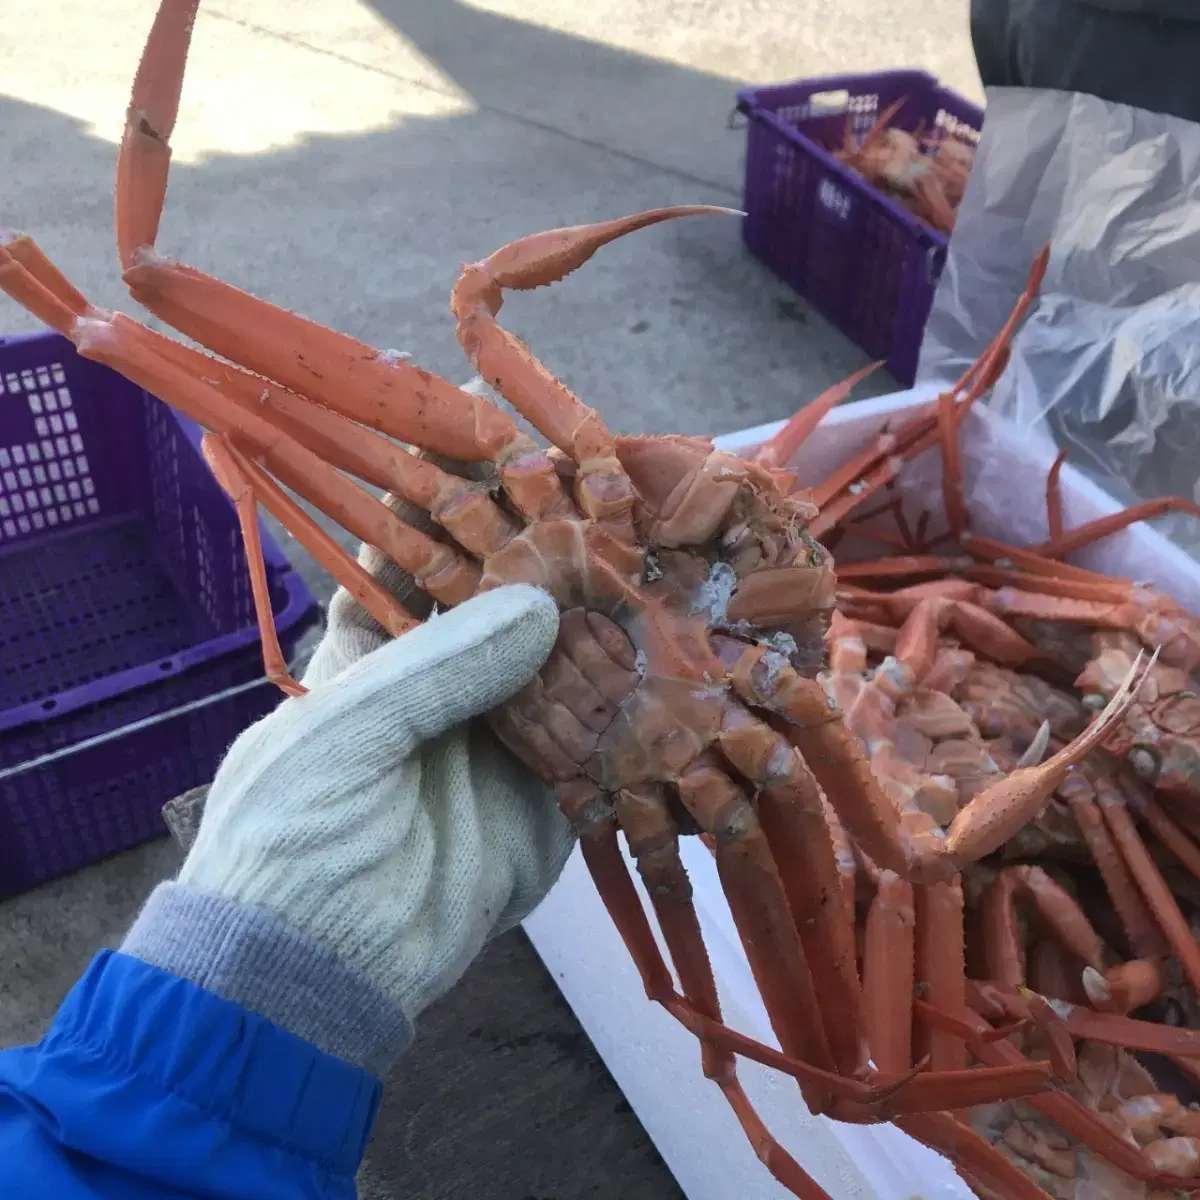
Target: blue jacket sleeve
x,y
148,1086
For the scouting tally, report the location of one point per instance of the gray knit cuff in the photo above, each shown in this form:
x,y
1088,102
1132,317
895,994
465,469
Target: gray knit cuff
x,y
250,957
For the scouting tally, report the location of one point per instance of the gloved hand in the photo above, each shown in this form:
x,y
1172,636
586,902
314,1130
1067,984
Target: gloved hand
x,y
362,843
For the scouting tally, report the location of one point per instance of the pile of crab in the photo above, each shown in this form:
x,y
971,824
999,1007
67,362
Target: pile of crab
x,y
927,175
949,792
957,659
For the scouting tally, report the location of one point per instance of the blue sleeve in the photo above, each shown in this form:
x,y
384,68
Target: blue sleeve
x,y
149,1086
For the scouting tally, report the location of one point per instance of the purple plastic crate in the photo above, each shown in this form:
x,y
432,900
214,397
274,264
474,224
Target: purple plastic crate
x,y
129,656
861,259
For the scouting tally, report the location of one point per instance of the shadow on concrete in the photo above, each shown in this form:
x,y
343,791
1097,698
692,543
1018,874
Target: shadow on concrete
x,y
673,118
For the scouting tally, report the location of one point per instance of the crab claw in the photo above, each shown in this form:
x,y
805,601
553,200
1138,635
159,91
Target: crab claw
x,y
1002,810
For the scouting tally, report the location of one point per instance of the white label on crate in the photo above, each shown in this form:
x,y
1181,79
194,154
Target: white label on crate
x,y
831,198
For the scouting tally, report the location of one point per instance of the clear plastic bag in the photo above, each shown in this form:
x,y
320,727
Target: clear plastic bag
x,y
1108,363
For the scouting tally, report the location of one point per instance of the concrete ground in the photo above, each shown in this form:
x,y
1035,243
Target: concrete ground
x,y
343,157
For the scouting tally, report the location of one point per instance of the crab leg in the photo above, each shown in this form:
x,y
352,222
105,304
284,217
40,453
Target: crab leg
x,y
438,569
145,158
1026,559
248,485
932,1090
31,294
987,369
1084,1024
460,507
898,606
912,540
879,476
831,751
530,262
653,838
770,1153
913,1090
1055,973
920,431
602,488
899,566
881,124
1011,602
888,966
218,453
991,577
874,467
850,639
903,539
598,843
790,810
835,756
25,251
844,858
596,828
1003,960
917,643
1166,830
887,1096
349,447
851,474
1054,513
1057,909
1059,1047
952,492
941,969
950,668
760,910
779,450
1131,1034
918,1091
961,1028
1001,577
345,375
853,1096
1145,938
1102,527
1141,866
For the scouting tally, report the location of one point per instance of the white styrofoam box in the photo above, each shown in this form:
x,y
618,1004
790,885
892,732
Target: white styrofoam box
x,y
654,1060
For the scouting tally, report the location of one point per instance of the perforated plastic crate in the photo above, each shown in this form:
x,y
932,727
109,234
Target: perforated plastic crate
x,y
860,258
129,655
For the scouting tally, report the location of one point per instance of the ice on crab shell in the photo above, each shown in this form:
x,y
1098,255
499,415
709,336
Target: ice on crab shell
x,y
716,592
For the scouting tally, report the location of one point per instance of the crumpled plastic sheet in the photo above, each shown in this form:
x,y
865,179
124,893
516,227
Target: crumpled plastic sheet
x,y
1107,365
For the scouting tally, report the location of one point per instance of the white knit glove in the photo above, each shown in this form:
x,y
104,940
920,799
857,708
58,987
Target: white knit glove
x,y
368,816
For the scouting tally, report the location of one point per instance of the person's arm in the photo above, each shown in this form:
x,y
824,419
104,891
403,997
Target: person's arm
x,y
149,1086
359,847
